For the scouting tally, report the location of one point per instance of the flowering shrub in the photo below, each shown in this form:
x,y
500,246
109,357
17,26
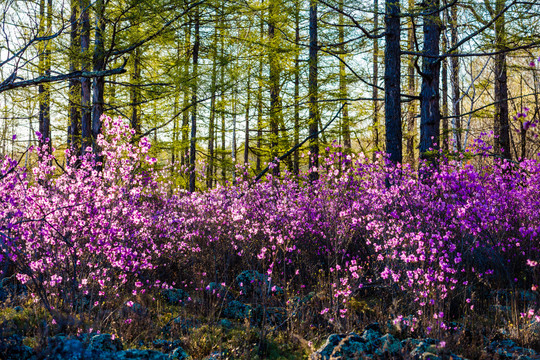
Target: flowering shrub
x,y
83,239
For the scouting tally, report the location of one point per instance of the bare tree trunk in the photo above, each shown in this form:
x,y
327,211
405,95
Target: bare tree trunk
x,y
296,159
411,85
86,119
233,147
444,76
376,106
74,128
193,148
99,64
430,116
501,125
248,103
454,80
313,91
392,75
274,88
135,92
211,123
45,24
346,130
187,98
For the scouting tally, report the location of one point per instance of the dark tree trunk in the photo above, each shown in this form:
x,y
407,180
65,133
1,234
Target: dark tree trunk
x,y
135,92
375,93
296,157
411,85
211,122
430,116
454,80
274,89
501,125
99,64
444,78
248,104
45,24
313,91
86,119
74,128
192,147
346,129
392,76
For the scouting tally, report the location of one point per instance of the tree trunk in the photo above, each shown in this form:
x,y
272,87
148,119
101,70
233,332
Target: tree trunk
x,y
392,75
375,93
274,89
248,103
313,92
501,125
211,122
86,119
411,85
74,128
346,130
45,24
454,80
187,98
192,148
233,146
444,78
430,116
296,158
99,64
135,92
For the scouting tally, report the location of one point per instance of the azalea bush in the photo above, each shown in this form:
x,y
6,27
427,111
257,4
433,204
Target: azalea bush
x,y
103,231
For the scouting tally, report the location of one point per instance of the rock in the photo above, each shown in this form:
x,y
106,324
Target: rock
x,y
140,355
252,283
237,310
216,289
166,345
104,343
175,296
274,316
216,355
179,354
226,324
186,325
12,348
507,349
342,347
61,347
389,344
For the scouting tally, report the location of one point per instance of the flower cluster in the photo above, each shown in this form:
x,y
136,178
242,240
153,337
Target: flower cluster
x,y
106,235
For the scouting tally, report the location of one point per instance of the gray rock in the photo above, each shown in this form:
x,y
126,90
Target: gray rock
x,y
226,324
179,354
141,355
176,296
62,347
216,355
104,343
507,349
343,347
274,316
389,344
218,290
12,348
166,345
237,310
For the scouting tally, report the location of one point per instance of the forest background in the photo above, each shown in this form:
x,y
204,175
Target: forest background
x,y
242,82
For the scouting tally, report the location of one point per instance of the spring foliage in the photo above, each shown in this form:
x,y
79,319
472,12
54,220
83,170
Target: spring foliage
x,y
81,239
